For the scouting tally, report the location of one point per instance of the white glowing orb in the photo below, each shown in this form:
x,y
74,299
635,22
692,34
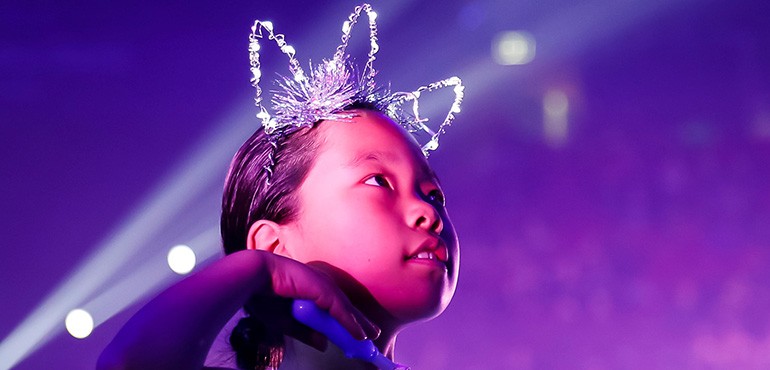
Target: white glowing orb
x,y
181,259
79,323
513,47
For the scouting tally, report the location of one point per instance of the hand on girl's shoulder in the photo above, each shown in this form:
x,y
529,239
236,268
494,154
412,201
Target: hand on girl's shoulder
x,y
194,310
290,280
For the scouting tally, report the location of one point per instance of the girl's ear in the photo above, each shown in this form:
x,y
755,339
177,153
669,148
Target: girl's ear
x,y
265,235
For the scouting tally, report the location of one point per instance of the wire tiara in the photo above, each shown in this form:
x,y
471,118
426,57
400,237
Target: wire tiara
x,y
302,100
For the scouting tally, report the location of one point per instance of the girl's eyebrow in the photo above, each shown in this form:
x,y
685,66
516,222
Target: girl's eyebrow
x,y
390,158
373,156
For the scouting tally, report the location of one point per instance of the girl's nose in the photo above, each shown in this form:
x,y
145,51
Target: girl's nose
x,y
422,215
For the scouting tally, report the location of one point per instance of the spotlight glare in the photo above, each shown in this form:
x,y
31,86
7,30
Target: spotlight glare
x,y
513,48
138,232
79,323
181,259
555,117
556,104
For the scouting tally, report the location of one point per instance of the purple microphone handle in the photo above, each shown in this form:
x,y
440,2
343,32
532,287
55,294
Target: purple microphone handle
x,y
309,314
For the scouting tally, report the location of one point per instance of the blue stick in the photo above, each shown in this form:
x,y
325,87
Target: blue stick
x,y
309,314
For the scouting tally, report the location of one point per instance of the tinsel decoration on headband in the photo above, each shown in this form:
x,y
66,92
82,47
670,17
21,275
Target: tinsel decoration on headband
x,y
302,100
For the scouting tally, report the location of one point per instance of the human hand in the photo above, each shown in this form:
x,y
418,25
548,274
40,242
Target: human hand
x,y
291,280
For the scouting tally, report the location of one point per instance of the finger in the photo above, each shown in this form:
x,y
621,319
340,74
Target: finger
x,y
345,314
349,286
371,329
297,280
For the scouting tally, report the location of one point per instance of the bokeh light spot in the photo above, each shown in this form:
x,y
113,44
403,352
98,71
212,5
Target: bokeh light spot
x,y
513,48
555,117
181,259
79,323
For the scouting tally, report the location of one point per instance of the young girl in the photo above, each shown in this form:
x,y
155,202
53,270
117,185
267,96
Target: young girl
x,y
331,200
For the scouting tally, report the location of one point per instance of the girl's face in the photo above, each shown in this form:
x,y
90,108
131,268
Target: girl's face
x,y
372,207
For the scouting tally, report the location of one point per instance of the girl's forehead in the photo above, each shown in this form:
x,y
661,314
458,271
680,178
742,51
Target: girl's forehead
x,y
372,137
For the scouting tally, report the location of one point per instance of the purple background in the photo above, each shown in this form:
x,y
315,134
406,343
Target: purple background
x,y
642,242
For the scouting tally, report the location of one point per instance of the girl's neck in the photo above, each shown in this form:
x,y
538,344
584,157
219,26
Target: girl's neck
x,y
298,355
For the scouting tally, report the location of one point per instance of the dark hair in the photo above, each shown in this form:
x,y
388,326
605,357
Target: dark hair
x,y
247,198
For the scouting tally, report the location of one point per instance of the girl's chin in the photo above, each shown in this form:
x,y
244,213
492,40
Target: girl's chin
x,y
415,310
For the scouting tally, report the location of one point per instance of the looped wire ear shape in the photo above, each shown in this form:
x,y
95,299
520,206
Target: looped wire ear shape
x,y
369,72
254,47
417,123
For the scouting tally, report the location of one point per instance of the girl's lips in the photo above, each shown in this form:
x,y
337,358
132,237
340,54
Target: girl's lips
x,y
427,258
432,249
426,255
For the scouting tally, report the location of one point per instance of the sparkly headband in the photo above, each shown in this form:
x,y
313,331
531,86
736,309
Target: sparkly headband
x,y
302,100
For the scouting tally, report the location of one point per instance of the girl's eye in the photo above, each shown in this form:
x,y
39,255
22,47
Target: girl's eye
x,y
377,180
437,197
